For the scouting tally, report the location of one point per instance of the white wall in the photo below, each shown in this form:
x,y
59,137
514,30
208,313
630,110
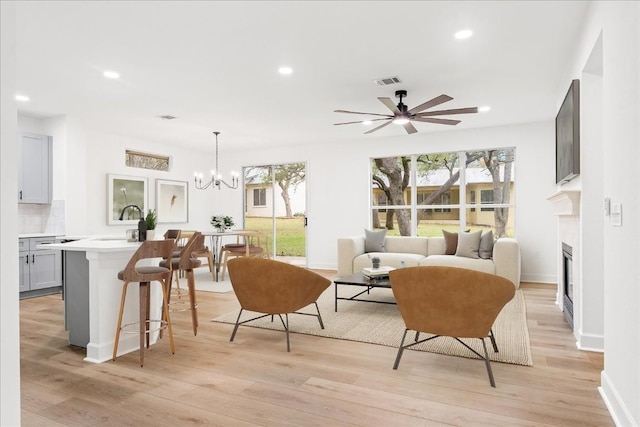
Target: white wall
x,y
619,25
338,185
10,310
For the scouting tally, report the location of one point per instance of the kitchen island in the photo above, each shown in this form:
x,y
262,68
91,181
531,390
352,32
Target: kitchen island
x,y
92,295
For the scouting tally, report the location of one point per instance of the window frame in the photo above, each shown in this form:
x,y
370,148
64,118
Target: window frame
x,y
465,191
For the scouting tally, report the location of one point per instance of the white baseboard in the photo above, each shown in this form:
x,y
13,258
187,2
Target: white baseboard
x,y
590,342
618,410
539,278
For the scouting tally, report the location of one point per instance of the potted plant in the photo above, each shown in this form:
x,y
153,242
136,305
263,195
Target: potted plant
x,y
151,220
222,222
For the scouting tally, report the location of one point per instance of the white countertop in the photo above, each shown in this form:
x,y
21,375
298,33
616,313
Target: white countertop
x,y
95,244
29,235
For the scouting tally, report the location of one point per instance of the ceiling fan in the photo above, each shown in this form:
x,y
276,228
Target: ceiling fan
x,y
402,115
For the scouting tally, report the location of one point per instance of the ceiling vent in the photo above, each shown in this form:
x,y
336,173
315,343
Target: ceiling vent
x,y
167,117
387,81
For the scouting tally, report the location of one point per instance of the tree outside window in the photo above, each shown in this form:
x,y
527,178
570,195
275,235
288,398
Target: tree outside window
x,y
441,200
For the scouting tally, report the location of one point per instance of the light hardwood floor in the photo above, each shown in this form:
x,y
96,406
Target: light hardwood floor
x,y
322,382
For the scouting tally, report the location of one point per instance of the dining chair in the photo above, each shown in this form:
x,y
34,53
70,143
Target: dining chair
x,y
256,244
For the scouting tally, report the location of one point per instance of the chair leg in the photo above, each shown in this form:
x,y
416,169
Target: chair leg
x,y
143,317
400,350
223,261
286,316
319,316
119,326
165,306
192,301
235,328
493,340
486,360
212,268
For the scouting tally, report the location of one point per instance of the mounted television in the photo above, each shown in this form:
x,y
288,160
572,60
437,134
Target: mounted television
x,y
568,136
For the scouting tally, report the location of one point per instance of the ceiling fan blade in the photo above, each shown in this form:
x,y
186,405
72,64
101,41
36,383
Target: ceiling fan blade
x,y
431,103
410,128
379,127
437,121
389,104
445,112
360,121
357,112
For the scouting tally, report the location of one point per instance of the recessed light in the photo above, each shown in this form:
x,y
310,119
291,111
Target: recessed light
x,y
285,70
484,109
23,98
463,34
111,75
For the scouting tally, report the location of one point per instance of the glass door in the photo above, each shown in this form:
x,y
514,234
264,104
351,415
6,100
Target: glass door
x,y
275,203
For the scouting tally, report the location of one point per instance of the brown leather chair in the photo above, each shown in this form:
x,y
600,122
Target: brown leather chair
x,y
274,288
145,275
448,301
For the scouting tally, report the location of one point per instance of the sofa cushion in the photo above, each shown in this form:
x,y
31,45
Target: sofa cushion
x,y
374,240
450,242
484,265
469,244
406,245
486,245
390,259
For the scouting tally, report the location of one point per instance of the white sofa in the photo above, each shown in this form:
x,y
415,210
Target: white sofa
x,y
415,251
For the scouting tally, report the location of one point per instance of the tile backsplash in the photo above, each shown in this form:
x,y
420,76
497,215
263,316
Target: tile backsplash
x,y
34,218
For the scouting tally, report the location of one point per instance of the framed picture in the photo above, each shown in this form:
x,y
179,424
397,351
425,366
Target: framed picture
x,y
127,199
172,200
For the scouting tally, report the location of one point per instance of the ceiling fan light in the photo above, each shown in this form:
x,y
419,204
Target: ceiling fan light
x,y
400,121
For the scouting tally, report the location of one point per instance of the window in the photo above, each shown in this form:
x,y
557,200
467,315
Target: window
x,y
486,198
440,199
136,159
435,191
259,197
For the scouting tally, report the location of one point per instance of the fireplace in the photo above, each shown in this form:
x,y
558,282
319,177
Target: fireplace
x,y
567,282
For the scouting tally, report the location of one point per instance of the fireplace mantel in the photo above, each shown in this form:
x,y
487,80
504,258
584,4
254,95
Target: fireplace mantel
x,y
565,203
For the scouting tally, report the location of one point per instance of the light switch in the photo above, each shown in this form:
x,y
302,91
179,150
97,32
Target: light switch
x,y
616,215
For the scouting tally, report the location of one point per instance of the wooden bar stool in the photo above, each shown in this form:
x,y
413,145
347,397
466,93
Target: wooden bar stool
x,y
186,262
144,275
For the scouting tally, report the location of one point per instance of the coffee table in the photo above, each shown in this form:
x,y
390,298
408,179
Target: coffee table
x,y
358,279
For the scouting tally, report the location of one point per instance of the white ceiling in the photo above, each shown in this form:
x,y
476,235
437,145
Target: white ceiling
x,y
214,65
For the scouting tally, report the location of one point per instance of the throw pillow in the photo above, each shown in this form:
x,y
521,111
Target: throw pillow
x,y
374,240
469,244
450,242
486,245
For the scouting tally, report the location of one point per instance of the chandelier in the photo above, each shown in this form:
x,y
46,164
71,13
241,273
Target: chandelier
x,y
216,180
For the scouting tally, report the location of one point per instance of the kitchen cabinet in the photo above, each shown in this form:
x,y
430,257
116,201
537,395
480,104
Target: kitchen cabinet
x,y
40,269
35,170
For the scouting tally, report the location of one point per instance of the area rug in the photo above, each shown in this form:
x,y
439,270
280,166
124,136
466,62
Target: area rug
x,y
204,282
382,324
